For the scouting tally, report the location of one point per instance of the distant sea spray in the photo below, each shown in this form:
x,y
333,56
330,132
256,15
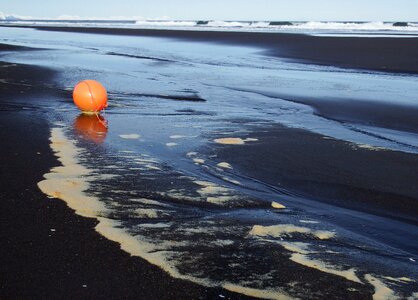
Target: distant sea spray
x,y
284,24
268,26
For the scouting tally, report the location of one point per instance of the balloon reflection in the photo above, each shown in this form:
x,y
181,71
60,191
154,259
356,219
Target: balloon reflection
x,y
91,127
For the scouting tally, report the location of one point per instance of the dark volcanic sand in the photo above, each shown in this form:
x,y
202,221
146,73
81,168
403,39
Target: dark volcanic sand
x,y
47,251
41,263
366,112
377,181
377,53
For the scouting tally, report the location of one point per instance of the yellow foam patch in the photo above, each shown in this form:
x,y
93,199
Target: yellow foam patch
x,y
224,165
381,291
67,182
277,205
230,141
288,229
199,160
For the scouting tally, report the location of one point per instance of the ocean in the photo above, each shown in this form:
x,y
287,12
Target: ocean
x,y
312,27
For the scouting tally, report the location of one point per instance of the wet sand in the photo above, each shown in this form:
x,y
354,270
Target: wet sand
x,y
394,116
376,53
361,177
291,161
47,250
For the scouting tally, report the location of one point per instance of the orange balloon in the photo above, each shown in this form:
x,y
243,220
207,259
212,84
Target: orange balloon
x,y
90,96
91,127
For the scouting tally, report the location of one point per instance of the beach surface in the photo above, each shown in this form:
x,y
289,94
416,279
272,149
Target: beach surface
x,y
47,250
234,165
376,53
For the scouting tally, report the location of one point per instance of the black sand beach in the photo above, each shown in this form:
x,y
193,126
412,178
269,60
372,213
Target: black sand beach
x,y
195,177
48,252
375,53
341,173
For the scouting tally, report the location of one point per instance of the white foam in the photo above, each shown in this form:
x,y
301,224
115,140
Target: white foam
x,y
287,229
132,136
234,141
135,246
226,24
224,165
414,296
370,147
297,247
219,200
155,225
149,202
152,167
300,251
303,259
250,140
214,193
300,254
177,136
145,160
367,26
277,205
199,161
68,182
381,291
148,213
165,23
230,141
222,243
233,181
400,279
308,221
334,28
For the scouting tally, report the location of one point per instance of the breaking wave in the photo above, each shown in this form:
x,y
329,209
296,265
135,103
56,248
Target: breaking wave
x,y
166,23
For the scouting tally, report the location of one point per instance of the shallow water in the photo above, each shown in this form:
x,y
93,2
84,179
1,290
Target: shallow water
x,y
156,189
239,82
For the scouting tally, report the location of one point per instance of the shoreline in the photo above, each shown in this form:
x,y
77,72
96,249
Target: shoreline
x,y
49,251
334,171
365,53
284,155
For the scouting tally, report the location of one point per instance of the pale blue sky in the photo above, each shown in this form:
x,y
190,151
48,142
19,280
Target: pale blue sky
x,y
309,10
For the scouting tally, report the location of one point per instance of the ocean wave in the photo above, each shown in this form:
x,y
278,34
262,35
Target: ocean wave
x,y
268,26
204,23
349,26
6,17
237,24
165,23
